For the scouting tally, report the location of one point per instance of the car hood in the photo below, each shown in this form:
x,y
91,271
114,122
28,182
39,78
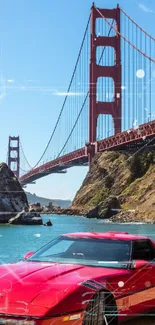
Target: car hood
x,y
36,282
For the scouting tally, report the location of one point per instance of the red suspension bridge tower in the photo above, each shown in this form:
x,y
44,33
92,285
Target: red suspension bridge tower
x,y
115,92
96,71
14,155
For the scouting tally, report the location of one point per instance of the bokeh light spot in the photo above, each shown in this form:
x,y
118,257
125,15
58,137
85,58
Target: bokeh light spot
x,y
121,284
140,73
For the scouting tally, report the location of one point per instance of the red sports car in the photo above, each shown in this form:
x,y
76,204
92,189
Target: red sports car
x,y
80,279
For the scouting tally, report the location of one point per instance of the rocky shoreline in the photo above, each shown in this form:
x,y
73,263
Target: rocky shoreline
x,y
21,218
120,217
26,218
14,207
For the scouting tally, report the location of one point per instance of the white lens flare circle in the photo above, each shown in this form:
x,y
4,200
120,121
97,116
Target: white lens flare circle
x,y
147,284
121,284
140,73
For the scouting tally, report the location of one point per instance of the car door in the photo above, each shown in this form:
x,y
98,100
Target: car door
x,y
142,280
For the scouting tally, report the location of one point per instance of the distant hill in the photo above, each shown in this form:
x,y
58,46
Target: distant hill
x,y
33,198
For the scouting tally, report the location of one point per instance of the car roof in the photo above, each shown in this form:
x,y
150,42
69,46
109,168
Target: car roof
x,y
110,235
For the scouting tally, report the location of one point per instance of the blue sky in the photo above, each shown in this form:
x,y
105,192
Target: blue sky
x,y
39,43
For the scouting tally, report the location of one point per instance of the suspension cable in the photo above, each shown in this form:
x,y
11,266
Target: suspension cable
x,y
66,95
122,36
83,102
74,125
127,41
136,24
24,155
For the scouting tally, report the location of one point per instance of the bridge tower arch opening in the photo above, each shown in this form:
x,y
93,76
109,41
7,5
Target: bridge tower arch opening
x,y
97,71
14,155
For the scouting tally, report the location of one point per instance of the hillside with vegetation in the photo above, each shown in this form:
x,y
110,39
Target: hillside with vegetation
x,y
120,186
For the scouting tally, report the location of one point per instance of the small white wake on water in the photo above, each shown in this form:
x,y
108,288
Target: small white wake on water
x,y
131,223
37,235
122,223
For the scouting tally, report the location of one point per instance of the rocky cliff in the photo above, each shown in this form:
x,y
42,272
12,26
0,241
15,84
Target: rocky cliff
x,y
12,197
120,184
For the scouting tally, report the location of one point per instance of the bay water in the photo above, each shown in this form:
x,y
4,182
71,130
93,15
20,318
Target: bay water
x,y
16,241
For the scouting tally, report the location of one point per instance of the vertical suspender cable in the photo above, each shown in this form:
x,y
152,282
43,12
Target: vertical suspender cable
x,y
133,78
105,89
136,95
150,84
129,81
144,84
124,77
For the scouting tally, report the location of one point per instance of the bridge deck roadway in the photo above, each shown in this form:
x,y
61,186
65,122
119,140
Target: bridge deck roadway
x,y
127,140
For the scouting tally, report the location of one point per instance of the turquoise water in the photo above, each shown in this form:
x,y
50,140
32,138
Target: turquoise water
x,y
16,241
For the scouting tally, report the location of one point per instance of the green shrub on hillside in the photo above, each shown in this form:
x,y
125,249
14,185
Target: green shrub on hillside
x,y
139,164
109,181
99,196
115,156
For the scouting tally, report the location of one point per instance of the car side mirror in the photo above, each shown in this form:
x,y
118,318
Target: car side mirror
x,y
139,264
27,255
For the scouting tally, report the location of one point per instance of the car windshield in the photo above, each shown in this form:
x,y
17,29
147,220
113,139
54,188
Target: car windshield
x,y
85,251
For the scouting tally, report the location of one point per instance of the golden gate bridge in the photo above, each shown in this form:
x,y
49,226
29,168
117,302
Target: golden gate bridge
x,y
110,101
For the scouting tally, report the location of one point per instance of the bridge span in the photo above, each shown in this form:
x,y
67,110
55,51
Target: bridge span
x,y
110,100
128,140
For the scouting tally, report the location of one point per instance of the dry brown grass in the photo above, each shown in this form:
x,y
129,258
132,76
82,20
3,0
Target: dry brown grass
x,y
133,193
